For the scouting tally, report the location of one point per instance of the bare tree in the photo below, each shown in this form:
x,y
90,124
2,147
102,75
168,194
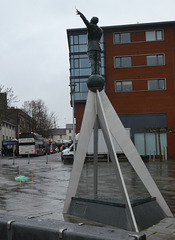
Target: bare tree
x,y
6,100
11,98
39,112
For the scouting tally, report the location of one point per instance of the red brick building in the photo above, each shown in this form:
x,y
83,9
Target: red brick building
x,y
138,63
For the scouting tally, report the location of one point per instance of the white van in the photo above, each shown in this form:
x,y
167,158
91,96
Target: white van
x,y
67,154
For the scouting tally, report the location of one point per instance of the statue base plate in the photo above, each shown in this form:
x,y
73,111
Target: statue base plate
x,y
147,212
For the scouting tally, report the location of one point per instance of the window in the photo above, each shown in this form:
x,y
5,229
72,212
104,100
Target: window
x,y
147,143
121,62
78,43
156,35
123,86
80,65
122,38
79,89
156,84
139,141
157,59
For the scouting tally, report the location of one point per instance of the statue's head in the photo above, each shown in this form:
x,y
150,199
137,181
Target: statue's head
x,y
94,20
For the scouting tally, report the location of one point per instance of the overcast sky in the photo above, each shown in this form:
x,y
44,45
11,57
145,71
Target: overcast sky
x,y
34,58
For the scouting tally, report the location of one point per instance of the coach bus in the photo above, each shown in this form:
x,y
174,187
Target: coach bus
x,y
30,143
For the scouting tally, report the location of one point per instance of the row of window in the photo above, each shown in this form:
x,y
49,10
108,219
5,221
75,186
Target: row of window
x,y
61,137
153,84
156,35
123,37
78,43
80,66
148,143
6,138
6,125
151,60
79,89
79,85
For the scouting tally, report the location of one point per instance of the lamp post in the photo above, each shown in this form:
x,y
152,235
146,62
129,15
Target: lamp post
x,y
72,85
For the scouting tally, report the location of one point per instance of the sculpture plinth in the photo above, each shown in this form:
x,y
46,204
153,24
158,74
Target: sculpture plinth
x,y
100,112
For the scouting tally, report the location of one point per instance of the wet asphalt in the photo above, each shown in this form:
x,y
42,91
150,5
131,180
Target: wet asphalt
x,y
42,195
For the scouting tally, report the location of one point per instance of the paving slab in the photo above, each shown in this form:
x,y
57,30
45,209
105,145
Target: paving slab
x,y
165,230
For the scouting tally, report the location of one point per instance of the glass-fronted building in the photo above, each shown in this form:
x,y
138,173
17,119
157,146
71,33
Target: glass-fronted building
x,y
79,64
138,67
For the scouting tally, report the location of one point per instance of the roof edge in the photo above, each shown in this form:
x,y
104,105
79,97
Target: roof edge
x,y
127,25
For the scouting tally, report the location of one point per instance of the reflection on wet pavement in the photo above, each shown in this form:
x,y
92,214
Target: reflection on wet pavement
x,y
108,189
42,196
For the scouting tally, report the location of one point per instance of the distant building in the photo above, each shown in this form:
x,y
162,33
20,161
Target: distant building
x,y
138,64
12,121
23,122
7,137
61,134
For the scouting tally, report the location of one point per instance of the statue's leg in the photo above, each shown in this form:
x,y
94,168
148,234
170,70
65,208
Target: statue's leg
x,y
98,62
91,55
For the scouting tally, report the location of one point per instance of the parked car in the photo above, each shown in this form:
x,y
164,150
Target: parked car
x,y
67,155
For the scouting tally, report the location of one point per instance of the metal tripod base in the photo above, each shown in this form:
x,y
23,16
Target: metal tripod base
x,y
99,106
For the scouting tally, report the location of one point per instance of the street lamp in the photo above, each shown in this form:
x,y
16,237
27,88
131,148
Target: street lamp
x,y
72,85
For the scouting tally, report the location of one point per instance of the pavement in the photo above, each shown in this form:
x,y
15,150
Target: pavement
x,y
43,195
165,230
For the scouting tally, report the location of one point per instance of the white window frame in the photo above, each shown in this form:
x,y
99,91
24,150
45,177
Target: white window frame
x,y
155,38
156,58
120,38
123,89
158,84
121,61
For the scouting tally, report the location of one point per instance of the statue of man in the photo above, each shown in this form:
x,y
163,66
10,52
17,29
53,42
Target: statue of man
x,y
94,36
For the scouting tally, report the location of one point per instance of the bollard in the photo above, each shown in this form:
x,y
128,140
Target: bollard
x,y
13,158
108,158
150,156
153,155
165,154
9,229
28,158
47,158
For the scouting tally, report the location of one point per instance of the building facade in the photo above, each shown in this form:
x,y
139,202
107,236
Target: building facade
x,y
138,63
62,134
12,121
23,122
7,138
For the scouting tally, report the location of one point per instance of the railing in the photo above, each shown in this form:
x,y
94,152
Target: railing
x,y
19,228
